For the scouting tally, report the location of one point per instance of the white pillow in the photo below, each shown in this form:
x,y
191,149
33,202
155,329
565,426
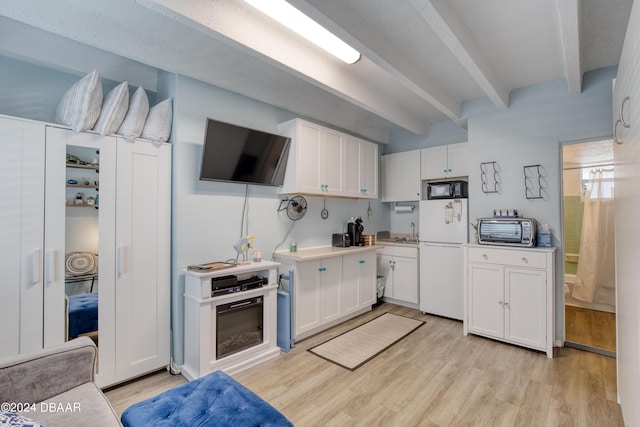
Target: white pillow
x,y
133,123
80,105
158,125
114,108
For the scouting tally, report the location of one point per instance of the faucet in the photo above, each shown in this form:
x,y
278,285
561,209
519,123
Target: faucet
x,y
413,231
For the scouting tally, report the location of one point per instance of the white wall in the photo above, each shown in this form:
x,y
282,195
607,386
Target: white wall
x,y
207,215
33,92
530,131
441,132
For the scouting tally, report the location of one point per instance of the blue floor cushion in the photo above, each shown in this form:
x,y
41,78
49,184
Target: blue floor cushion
x,y
213,400
83,314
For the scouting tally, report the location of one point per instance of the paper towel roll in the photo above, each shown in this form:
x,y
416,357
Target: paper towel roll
x,y
403,208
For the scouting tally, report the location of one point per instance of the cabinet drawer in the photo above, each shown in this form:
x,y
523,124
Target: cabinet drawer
x,y
514,257
398,251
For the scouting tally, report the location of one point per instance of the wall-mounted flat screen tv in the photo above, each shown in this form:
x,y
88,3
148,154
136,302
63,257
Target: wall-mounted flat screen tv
x,y
235,153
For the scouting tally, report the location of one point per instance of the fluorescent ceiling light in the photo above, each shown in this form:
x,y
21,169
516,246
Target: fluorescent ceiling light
x,y
297,21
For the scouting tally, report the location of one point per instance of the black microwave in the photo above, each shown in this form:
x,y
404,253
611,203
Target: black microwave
x,y
447,190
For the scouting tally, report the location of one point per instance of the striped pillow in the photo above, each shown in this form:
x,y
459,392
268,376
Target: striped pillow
x,y
80,106
158,125
133,123
114,108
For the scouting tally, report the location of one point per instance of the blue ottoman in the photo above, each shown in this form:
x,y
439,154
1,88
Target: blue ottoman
x,y
213,400
83,314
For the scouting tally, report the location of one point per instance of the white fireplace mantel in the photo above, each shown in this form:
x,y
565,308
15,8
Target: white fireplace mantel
x,y
200,320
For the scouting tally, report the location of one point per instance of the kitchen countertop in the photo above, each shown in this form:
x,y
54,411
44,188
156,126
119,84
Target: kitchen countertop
x,y
308,254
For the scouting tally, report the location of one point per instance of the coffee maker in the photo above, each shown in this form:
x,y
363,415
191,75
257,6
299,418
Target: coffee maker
x,y
355,229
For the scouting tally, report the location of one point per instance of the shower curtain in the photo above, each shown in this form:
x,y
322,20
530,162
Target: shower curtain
x,y
595,278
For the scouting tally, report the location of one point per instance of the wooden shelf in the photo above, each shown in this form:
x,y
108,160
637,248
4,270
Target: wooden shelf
x,y
70,205
82,186
78,166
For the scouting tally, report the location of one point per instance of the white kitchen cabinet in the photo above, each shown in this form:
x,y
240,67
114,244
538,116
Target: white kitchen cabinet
x,y
315,158
358,281
330,285
401,180
318,293
445,161
360,168
368,168
626,108
509,295
328,163
33,236
399,266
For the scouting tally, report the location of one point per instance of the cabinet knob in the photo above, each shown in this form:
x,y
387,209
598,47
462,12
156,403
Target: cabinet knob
x,y
525,260
484,256
501,303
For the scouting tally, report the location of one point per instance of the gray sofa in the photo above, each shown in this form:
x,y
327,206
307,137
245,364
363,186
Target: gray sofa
x,y
60,382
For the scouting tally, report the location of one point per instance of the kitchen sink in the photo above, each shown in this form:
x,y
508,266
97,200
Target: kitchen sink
x,y
400,240
384,236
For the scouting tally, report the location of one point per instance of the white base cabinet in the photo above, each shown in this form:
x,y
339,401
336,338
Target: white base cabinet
x,y
358,272
399,266
328,287
509,295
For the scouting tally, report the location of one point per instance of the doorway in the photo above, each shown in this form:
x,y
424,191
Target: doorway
x,y
589,257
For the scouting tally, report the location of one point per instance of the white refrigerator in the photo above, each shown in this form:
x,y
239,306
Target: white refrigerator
x,y
444,227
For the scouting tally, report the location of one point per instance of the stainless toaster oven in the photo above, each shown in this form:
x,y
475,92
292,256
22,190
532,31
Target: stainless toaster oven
x,y
507,231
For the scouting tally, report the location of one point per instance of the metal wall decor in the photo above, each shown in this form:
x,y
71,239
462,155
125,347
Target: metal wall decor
x,y
489,177
533,182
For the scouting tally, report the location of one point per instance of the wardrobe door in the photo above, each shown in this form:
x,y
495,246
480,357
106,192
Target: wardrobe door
x,y
54,327
143,215
21,235
82,228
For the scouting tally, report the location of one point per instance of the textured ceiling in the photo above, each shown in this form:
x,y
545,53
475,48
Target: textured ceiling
x,y
421,58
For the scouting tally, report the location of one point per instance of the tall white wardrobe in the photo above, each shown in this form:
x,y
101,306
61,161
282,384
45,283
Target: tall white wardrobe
x,y
133,220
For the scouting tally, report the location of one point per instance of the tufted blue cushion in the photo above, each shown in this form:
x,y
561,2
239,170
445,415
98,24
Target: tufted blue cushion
x,y
213,400
83,314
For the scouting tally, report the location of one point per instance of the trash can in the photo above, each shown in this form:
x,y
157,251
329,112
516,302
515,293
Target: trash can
x,y
381,281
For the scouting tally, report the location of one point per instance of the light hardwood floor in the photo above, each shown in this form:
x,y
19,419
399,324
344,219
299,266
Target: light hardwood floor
x,y
433,377
592,328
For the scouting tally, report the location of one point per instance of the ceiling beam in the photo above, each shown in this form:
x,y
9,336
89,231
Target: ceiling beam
x,y
568,14
243,27
453,34
430,93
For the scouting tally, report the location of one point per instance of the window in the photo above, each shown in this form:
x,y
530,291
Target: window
x,y
589,180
